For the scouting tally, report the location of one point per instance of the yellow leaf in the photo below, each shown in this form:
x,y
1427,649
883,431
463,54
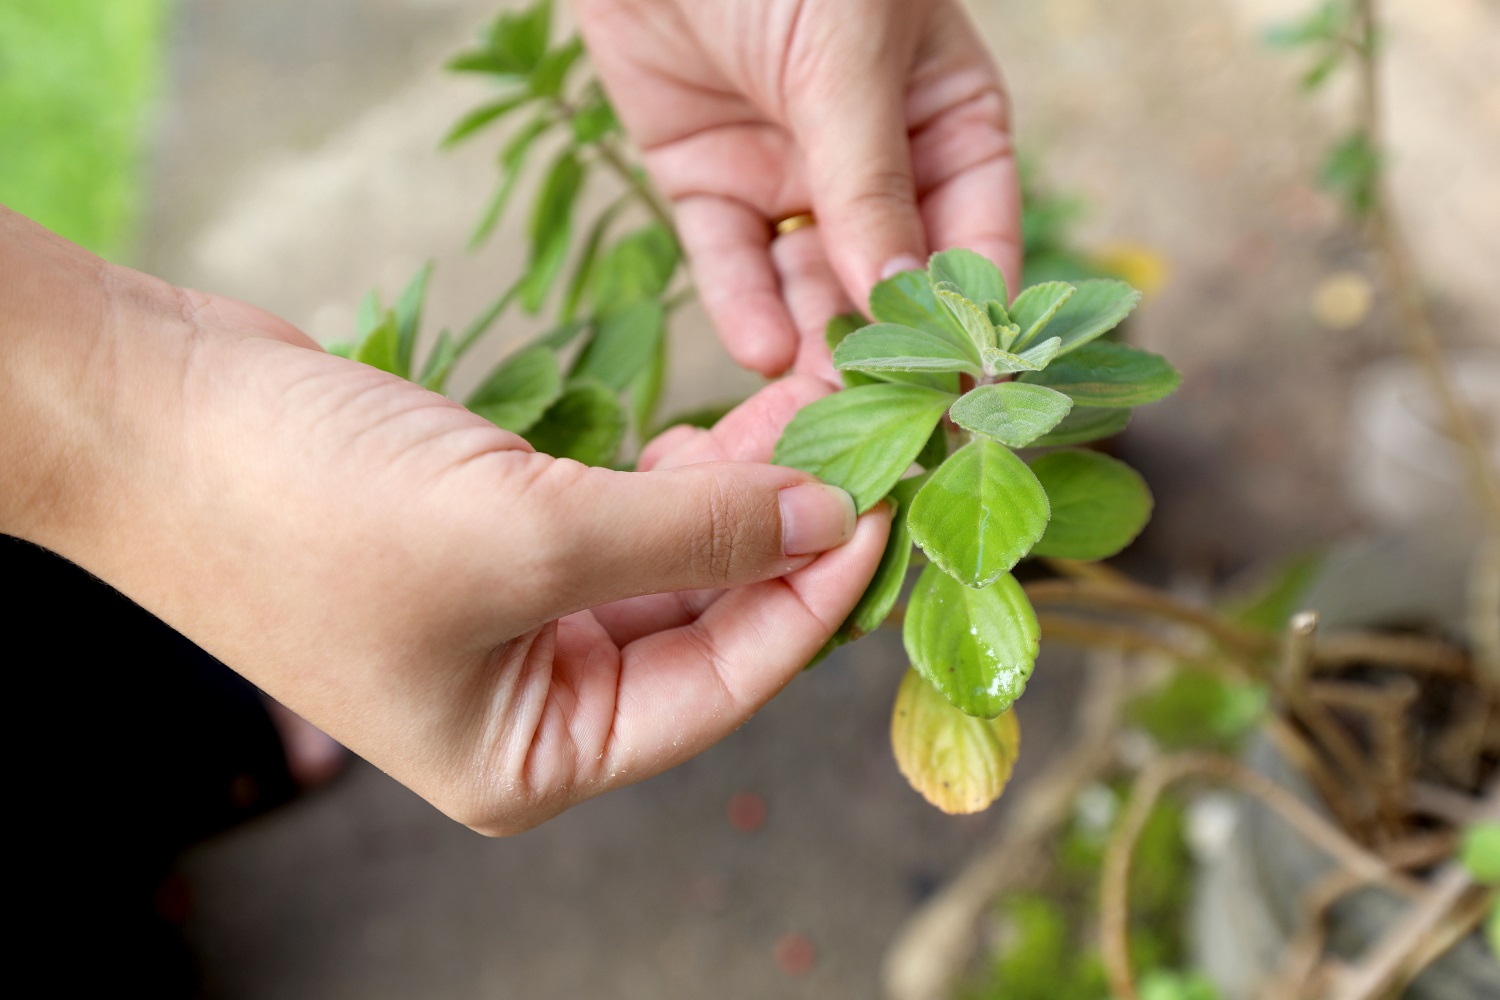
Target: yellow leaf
x,y
957,762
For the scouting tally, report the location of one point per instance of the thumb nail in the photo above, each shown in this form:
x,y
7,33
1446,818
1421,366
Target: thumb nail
x,y
899,263
815,518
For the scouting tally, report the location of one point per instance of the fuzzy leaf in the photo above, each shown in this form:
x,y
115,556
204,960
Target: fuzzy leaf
x,y
976,646
1035,307
519,390
586,424
588,258
862,439
1042,354
974,321
623,345
887,347
551,71
639,266
1099,504
1107,374
1084,424
998,362
645,389
1094,308
1013,413
975,276
981,511
958,763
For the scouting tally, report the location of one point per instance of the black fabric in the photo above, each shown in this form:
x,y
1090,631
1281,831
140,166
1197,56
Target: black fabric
x,y
132,743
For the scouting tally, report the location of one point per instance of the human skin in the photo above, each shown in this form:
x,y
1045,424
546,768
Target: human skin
x,y
886,118
504,632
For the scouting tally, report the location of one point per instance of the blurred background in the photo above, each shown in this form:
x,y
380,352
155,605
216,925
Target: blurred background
x,y
286,152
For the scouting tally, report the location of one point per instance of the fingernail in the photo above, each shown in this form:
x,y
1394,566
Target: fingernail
x,y
815,518
899,263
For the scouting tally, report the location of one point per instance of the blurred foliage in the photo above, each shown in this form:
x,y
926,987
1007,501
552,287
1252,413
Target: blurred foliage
x,y
1271,600
1047,947
1198,708
76,81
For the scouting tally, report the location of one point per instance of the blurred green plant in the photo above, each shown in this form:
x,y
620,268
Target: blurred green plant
x,y
76,81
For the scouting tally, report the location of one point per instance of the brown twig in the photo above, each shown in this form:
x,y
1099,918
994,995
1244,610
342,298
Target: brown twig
x,y
937,942
1093,634
1133,597
1114,904
1384,709
1414,653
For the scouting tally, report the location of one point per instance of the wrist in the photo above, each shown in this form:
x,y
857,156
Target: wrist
x,y
75,331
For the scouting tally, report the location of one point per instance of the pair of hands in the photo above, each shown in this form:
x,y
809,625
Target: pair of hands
x,y
504,632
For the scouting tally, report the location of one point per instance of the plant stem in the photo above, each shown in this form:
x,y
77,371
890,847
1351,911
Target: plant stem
x,y
609,152
1132,597
1401,277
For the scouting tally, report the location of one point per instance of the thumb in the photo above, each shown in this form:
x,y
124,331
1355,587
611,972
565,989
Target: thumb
x,y
852,132
720,524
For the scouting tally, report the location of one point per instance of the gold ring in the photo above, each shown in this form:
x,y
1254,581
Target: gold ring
x,y
792,223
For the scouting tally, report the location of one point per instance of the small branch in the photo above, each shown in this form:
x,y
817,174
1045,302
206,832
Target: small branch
x,y
1154,779
1132,597
1385,709
1092,634
1415,653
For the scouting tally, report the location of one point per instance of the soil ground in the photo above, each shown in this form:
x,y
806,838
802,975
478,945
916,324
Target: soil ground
x,y
296,168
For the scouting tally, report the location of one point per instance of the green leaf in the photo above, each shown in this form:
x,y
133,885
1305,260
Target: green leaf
x,y
1480,852
340,348
885,586
586,424
482,323
595,117
974,321
583,271
1322,70
976,646
885,347
935,451
520,39
1351,172
483,115
1013,413
1084,424
1094,308
958,763
1099,504
563,334
1035,307
512,159
551,70
981,511
863,439
551,228
974,275
381,349
840,327
623,345
1043,354
1109,374
998,362
519,390
907,299
439,362
645,389
409,315
639,266
1197,708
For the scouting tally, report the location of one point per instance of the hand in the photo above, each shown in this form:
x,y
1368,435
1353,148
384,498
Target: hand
x,y
401,572
884,117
